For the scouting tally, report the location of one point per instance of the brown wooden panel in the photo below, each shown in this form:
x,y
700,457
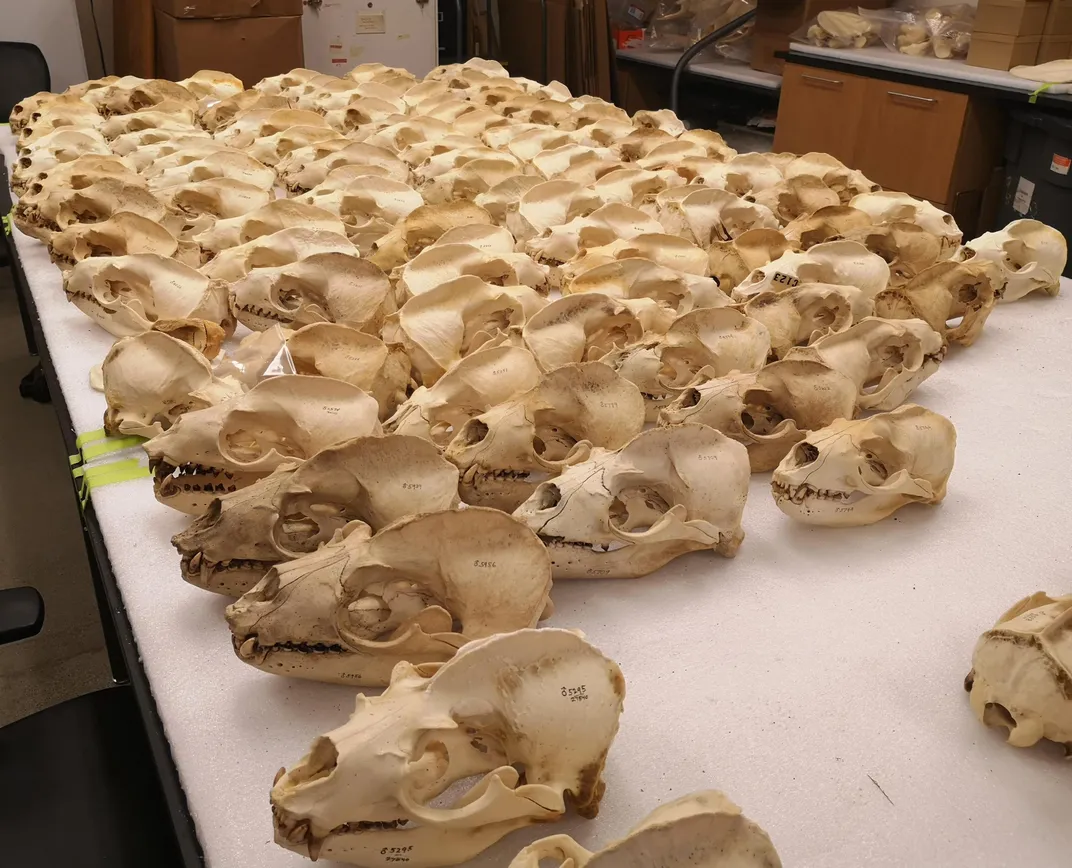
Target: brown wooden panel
x,y
135,42
910,137
819,110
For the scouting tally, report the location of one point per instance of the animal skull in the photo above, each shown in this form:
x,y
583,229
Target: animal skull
x,y
805,313
274,216
500,703
905,247
580,328
626,513
504,453
828,224
855,473
706,216
769,410
294,511
797,197
705,830
844,263
423,227
231,445
1029,254
888,207
285,247
120,235
127,294
1020,671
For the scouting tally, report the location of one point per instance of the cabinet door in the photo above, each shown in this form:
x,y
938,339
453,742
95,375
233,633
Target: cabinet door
x,y
909,137
819,110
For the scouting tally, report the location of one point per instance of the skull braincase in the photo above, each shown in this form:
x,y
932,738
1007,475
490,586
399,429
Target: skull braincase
x,y
270,218
277,249
504,452
127,294
151,379
119,235
1020,671
845,263
889,207
854,473
704,830
627,513
470,386
233,444
1030,255
580,328
712,342
324,287
495,706
805,313
770,410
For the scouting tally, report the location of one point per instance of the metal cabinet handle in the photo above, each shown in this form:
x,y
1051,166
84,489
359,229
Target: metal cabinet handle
x,y
832,81
911,96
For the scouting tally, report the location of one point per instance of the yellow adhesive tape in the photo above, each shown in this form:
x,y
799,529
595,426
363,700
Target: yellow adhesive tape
x,y
1041,89
107,474
90,437
109,446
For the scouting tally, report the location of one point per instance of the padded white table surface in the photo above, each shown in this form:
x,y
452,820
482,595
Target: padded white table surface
x,y
815,668
719,69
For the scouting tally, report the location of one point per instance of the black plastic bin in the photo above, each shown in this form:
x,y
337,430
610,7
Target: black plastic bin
x,y
1038,171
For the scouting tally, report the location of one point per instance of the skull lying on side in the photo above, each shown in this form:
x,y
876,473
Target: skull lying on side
x,y
770,410
635,277
498,709
844,263
120,235
947,292
127,294
151,379
270,218
285,247
731,262
806,313
705,830
580,328
856,473
827,224
324,287
295,510
504,453
231,445
442,263
626,513
906,248
707,215
1030,256
470,387
1021,669
834,174
889,207
886,359
423,227
415,592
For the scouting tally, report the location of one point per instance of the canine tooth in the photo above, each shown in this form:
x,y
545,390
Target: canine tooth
x,y
247,650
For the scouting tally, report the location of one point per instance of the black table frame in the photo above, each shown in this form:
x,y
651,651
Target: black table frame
x,y
122,647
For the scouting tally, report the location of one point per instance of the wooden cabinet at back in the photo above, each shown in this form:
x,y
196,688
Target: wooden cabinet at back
x,y
820,110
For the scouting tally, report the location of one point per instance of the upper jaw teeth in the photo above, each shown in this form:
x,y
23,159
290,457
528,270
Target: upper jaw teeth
x,y
798,493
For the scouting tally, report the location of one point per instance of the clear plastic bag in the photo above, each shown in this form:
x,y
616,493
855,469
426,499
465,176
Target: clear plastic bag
x,y
258,356
838,28
736,47
677,24
920,30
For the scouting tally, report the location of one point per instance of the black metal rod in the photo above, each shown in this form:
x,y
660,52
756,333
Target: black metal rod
x,y
459,33
693,50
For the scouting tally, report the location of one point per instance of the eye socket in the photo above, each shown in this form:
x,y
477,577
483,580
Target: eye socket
x,y
548,496
474,432
804,454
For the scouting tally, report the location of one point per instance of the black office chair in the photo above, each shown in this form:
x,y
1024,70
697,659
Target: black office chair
x,y
79,783
23,72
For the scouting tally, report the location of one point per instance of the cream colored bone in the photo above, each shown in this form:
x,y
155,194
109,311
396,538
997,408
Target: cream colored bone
x,y
731,262
357,154
323,287
375,481
423,227
442,263
856,473
1030,256
706,216
231,445
834,174
627,513
218,164
797,197
272,217
806,313
580,328
827,224
120,235
888,207
907,248
504,453
125,295
769,410
844,263
705,830
151,379
493,708
1019,671
285,247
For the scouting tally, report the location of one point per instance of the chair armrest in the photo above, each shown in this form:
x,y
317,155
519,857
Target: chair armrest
x,y
22,613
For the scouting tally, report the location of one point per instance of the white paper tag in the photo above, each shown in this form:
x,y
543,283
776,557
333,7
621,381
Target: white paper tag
x,y
1060,164
371,22
1021,202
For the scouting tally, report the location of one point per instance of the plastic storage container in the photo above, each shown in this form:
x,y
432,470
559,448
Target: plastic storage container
x,y
1038,171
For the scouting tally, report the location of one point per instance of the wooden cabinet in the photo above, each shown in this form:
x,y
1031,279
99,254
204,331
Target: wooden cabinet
x,y
910,137
819,111
930,143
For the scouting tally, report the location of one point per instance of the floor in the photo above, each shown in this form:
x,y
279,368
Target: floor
x,y
41,544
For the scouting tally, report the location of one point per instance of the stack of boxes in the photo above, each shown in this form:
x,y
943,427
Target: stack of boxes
x,y
252,39
1010,33
777,19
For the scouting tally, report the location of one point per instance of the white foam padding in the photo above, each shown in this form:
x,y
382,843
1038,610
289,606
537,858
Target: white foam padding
x,y
800,677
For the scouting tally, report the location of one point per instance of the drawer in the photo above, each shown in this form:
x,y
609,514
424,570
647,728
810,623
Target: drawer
x,y
909,138
819,110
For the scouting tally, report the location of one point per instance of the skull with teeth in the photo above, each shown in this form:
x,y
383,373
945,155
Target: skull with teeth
x,y
120,235
469,387
1020,673
273,217
374,480
127,294
495,710
731,262
504,453
854,473
416,592
231,445
63,148
770,410
627,513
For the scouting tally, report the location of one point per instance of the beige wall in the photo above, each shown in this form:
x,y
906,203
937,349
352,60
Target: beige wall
x,y
89,40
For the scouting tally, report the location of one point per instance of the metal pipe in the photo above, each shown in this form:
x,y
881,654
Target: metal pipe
x,y
693,50
459,34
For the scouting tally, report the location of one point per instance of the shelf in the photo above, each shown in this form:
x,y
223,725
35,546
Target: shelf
x,y
737,73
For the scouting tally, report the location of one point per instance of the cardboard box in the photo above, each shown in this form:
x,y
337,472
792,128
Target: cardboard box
x,y
785,16
228,8
1011,17
1059,19
1054,48
251,48
763,47
998,51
